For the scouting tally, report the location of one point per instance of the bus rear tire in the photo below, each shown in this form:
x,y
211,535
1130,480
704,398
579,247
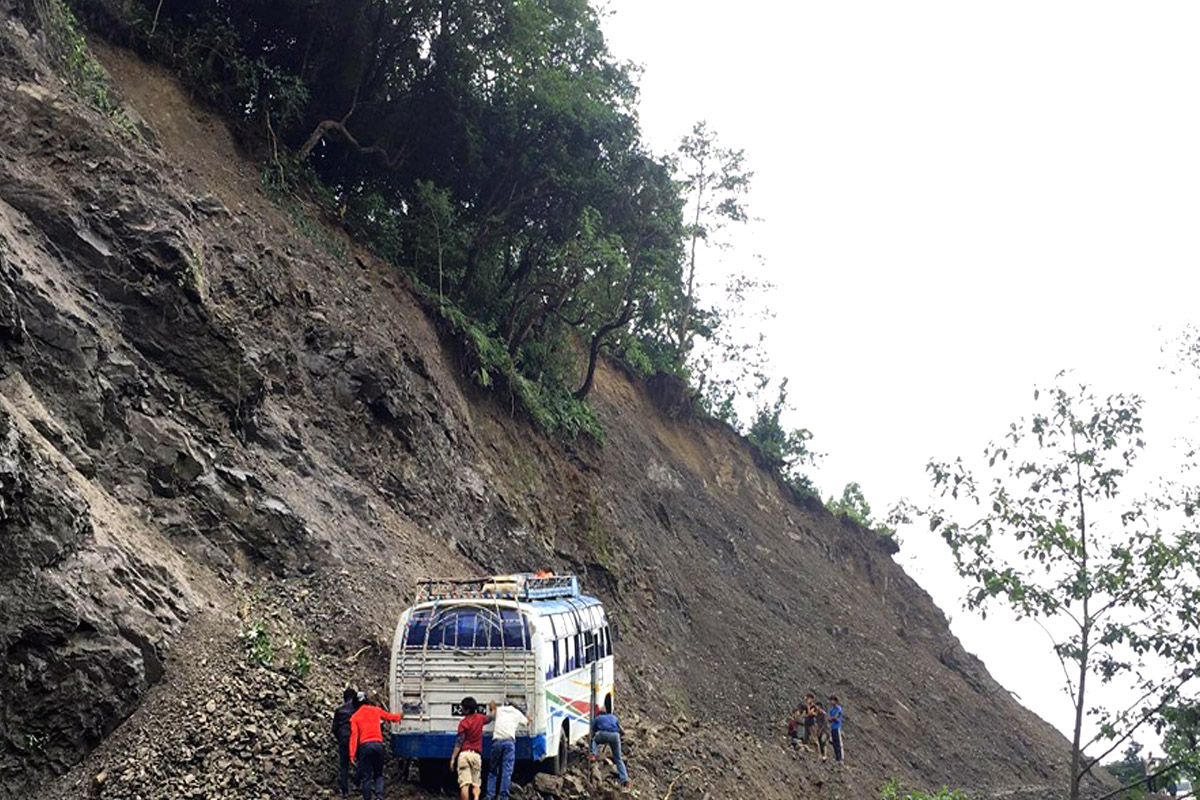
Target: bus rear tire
x,y
558,764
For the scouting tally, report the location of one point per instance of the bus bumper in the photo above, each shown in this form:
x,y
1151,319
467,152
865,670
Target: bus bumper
x,y
441,745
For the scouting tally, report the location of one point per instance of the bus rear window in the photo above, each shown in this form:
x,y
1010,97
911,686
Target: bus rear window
x,y
468,629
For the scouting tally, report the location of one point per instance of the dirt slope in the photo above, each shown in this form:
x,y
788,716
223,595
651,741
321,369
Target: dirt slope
x,y
221,425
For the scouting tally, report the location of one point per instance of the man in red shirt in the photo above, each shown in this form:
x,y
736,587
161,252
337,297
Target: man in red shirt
x,y
468,750
366,746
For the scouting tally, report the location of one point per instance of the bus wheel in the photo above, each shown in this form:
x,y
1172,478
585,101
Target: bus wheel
x,y
559,765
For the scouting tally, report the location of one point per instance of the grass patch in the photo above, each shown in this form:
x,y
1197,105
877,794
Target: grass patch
x,y
894,790
75,63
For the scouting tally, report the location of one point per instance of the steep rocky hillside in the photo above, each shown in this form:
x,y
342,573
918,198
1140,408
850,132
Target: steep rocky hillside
x,y
230,442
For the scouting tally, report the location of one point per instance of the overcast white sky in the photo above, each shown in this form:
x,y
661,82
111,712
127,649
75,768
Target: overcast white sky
x,y
958,199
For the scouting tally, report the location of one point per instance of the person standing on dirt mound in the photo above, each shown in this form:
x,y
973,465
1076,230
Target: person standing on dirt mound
x,y
821,729
366,746
836,717
341,737
467,758
606,729
504,748
810,719
793,727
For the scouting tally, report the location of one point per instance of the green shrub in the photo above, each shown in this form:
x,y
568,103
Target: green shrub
x,y
300,664
550,405
893,790
69,51
256,638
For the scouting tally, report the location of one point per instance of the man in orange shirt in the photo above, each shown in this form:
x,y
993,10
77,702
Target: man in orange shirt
x,y
366,746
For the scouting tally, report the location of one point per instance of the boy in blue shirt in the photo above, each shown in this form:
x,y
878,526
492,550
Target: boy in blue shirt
x,y
836,717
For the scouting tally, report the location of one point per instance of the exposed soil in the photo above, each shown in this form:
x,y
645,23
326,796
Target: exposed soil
x,y
218,416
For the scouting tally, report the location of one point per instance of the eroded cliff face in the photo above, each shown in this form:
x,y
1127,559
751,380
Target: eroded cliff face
x,y
218,416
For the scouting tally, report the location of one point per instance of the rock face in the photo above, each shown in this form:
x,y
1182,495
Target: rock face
x,y
230,442
85,621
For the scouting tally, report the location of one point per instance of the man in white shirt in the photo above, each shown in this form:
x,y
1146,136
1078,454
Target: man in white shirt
x,y
504,747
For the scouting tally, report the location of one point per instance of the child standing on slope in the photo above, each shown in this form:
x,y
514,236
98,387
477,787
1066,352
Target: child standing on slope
x,y
821,729
836,717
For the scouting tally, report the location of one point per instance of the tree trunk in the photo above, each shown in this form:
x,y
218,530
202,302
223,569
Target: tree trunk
x,y
1076,753
598,342
1085,631
685,317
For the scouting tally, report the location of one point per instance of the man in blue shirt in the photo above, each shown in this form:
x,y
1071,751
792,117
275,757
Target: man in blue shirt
x,y
835,727
607,730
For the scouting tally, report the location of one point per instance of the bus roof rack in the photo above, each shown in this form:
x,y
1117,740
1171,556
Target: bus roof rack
x,y
521,586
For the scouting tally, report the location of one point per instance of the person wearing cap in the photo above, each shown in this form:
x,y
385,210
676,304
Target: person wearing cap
x,y
467,758
366,745
341,738
504,748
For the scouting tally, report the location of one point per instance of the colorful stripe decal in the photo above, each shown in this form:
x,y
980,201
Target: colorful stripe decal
x,y
577,710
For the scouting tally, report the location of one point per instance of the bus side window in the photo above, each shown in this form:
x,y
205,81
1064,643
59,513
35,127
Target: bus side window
x,y
554,646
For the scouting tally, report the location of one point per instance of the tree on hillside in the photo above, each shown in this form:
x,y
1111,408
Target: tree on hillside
x,y
853,504
782,451
714,179
1131,769
1180,729
1113,580
731,366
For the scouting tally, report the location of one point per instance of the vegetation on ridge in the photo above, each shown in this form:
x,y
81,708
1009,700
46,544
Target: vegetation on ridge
x,y
493,153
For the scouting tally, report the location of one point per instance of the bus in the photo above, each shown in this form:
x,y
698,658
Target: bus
x,y
531,640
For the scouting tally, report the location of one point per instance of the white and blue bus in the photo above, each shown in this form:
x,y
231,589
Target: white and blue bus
x,y
530,640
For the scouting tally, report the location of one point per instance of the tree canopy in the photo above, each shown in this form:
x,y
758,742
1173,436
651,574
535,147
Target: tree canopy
x,y
491,149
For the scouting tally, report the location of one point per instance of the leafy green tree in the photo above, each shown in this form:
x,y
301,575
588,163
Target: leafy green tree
x,y
1130,771
1180,728
715,180
1113,580
784,452
729,365
853,504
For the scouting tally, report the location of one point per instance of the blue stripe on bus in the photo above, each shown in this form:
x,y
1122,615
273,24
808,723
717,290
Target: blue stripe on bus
x,y
441,745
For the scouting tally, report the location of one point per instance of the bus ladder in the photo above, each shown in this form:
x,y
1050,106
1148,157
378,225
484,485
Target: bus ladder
x,y
526,645
424,673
